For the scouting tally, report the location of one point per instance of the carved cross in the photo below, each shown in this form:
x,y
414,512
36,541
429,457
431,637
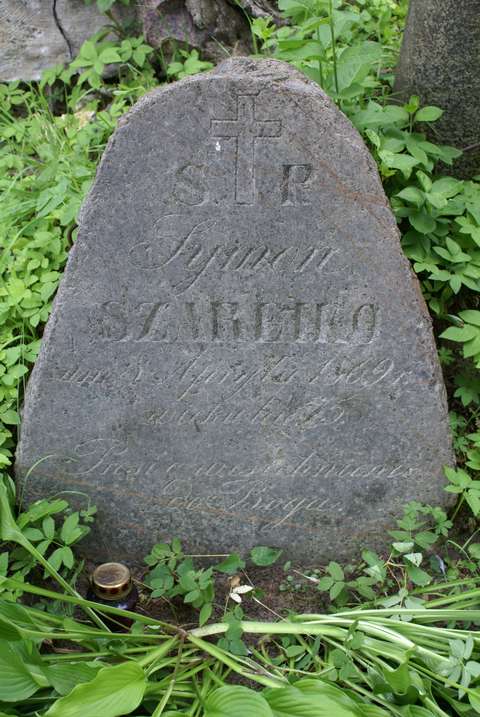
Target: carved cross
x,y
246,129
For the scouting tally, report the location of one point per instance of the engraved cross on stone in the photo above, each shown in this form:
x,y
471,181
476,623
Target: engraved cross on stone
x,y
246,129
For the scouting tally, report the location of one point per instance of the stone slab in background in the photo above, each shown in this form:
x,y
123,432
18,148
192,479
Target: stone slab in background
x,y
215,27
37,34
440,62
239,353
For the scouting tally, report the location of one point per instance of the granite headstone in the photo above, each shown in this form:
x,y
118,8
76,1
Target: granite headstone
x,y
440,63
239,353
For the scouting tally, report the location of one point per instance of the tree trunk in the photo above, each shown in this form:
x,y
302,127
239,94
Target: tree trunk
x,y
440,62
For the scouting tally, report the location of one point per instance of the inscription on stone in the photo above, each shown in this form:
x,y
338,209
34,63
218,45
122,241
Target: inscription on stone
x,y
238,353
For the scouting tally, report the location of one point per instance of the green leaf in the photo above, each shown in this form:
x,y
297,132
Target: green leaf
x,y
109,55
473,499
422,222
466,333
104,5
447,186
115,691
48,527
232,564
311,698
16,681
325,583
9,530
474,698
404,162
10,417
294,650
413,195
264,556
428,114
399,679
355,63
205,613
335,590
418,576
64,676
69,527
236,701
470,316
336,571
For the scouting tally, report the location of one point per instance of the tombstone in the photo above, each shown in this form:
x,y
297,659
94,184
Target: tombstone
x,y
37,34
239,353
440,62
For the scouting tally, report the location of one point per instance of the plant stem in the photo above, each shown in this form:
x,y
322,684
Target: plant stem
x,y
320,66
457,507
334,48
81,602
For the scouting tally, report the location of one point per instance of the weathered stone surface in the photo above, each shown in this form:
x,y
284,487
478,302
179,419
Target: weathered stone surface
x,y
440,62
214,26
37,34
239,353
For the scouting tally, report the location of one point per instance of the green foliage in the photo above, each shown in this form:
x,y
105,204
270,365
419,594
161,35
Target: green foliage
x,y
115,690
106,5
96,54
467,334
173,574
264,556
188,63
53,528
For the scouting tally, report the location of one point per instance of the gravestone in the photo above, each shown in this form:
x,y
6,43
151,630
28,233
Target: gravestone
x,y
239,353
37,34
440,62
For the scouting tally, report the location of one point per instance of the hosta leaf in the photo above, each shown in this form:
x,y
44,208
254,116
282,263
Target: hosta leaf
x,y
16,681
14,617
115,691
236,701
311,698
64,676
